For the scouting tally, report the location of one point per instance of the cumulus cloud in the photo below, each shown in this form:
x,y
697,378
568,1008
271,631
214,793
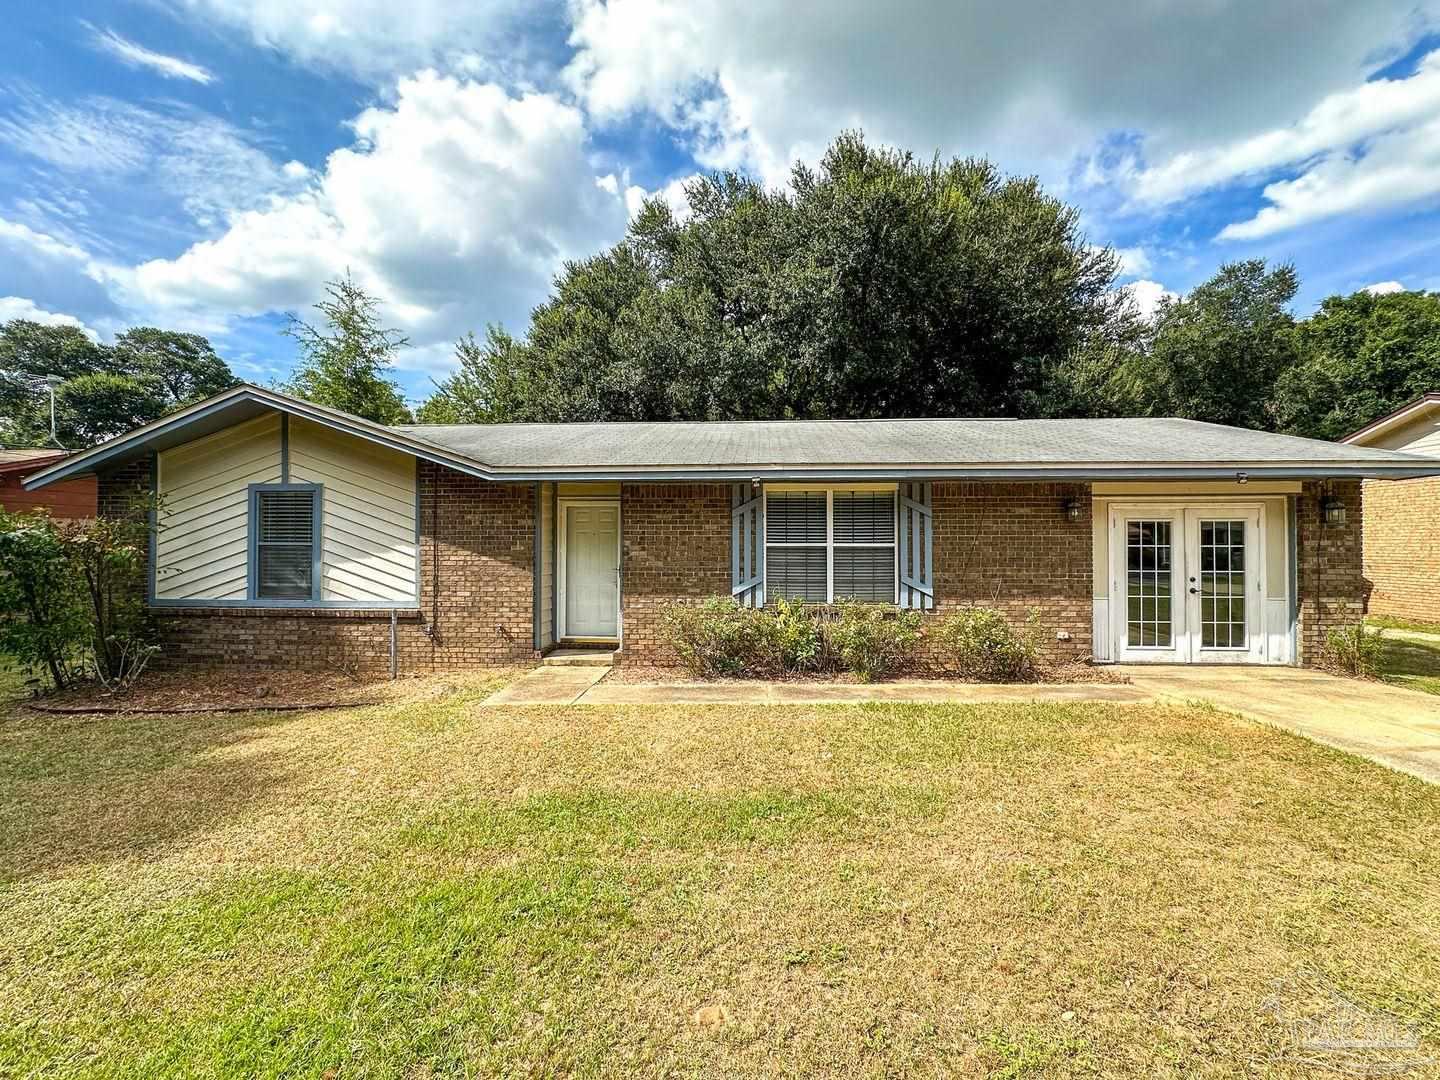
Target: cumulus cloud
x,y
1148,296
761,84
456,206
1383,288
137,56
18,307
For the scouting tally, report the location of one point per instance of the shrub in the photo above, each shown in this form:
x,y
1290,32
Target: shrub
x,y
72,595
795,637
716,637
1351,650
979,643
873,640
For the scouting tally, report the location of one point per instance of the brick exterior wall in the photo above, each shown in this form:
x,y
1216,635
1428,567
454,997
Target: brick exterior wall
x,y
1402,548
675,545
1011,547
483,616
1005,545
1330,568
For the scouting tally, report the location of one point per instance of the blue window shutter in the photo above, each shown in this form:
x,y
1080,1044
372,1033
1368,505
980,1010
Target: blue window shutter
x,y
747,546
917,547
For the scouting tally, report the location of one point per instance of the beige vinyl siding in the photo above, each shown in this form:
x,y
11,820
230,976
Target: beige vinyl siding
x,y
202,549
368,549
547,565
1418,436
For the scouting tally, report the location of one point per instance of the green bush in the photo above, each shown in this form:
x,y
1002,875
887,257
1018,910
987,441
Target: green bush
x,y
1351,650
979,643
874,640
72,595
719,637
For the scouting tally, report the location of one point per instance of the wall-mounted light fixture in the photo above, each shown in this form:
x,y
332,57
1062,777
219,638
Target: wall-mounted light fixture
x,y
1242,478
1332,510
1072,509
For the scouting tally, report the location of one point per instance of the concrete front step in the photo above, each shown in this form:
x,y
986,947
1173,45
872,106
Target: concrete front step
x,y
580,658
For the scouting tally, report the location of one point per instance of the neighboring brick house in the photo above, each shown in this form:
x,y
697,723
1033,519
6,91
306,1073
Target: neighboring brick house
x,y
68,499
293,535
1402,517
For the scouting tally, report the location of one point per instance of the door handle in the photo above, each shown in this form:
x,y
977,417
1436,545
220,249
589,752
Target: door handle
x,y
1193,590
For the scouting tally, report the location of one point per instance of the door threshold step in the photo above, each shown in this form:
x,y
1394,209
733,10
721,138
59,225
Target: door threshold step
x,y
580,658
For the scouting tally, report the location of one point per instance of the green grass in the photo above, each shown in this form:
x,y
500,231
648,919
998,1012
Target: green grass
x,y
429,888
1410,662
1390,622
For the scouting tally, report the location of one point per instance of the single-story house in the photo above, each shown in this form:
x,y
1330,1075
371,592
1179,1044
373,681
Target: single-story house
x,y
67,499
1402,519
292,534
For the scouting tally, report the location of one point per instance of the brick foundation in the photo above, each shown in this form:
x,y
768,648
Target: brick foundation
x,y
1330,567
1401,521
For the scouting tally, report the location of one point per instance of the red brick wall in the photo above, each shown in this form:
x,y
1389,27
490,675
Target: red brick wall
x,y
1330,567
1402,548
483,616
675,545
1011,547
67,499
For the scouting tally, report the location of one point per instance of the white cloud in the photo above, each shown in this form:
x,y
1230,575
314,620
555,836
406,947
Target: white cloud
x,y
377,37
210,166
456,207
137,56
1134,261
1148,296
1384,288
17,307
761,84
1396,169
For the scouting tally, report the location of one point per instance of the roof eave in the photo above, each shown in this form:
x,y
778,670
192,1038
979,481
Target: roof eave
x,y
131,444
1403,415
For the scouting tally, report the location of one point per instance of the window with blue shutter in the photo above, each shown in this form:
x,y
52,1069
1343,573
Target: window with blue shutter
x,y
830,544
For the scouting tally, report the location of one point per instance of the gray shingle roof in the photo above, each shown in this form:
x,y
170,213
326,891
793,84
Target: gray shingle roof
x,y
932,445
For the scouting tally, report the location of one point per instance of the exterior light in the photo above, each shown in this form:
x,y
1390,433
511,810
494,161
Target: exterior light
x,y
1242,477
1072,509
1332,510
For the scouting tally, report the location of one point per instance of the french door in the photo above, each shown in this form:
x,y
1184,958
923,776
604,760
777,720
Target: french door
x,y
1186,584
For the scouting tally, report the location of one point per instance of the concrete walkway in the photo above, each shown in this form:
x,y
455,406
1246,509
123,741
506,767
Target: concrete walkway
x,y
1394,726
1389,724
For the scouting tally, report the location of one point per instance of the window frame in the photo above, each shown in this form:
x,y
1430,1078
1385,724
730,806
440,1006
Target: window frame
x,y
252,582
830,545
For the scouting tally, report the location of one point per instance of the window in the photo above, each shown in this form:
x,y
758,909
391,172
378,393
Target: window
x,y
284,542
830,544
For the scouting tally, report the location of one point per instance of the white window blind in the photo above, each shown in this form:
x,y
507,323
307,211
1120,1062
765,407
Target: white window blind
x,y
284,530
826,545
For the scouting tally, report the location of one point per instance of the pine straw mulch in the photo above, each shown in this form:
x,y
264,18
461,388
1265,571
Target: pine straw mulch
x,y
245,690
1078,672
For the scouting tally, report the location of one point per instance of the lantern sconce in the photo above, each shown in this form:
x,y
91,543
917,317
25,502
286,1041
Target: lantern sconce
x,y
1072,509
1332,510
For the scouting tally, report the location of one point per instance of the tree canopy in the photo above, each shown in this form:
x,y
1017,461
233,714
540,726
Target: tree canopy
x,y
879,285
345,362
100,390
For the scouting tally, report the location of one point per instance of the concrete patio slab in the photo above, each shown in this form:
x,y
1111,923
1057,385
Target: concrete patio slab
x,y
1389,724
821,693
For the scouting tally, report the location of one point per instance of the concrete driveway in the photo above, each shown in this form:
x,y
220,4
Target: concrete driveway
x,y
1396,727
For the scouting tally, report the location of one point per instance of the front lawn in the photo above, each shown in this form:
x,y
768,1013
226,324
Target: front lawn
x,y
433,888
1411,660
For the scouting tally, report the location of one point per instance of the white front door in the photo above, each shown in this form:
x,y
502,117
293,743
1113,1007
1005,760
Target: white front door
x,y
589,568
1186,584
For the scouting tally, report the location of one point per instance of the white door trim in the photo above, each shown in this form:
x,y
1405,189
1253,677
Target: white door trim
x,y
1184,516
562,510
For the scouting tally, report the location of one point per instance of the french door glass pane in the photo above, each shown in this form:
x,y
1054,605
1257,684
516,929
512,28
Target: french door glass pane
x,y
1222,585
1148,551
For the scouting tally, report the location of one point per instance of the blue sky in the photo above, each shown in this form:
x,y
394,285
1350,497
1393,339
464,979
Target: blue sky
x,y
208,164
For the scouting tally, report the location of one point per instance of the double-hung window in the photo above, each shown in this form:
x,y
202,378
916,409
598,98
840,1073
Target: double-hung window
x,y
828,544
285,542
